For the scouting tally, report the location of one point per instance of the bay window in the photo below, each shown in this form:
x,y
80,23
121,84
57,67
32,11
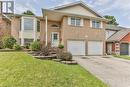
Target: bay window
x,y
28,24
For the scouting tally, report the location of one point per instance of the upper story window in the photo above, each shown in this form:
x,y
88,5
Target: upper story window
x,y
28,24
75,21
96,24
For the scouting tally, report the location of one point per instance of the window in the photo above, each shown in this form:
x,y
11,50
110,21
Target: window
x,y
28,24
55,36
75,21
27,41
38,26
96,24
55,26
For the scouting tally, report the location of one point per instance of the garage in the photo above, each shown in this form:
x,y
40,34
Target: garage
x,y
124,49
76,47
95,48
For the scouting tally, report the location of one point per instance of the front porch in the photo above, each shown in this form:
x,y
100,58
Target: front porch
x,y
118,48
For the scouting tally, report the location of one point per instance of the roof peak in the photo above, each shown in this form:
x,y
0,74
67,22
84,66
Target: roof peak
x,y
77,3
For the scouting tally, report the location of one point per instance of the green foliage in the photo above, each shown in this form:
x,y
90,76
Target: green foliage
x,y
17,47
34,46
61,46
64,56
28,12
46,50
8,42
1,45
18,69
112,19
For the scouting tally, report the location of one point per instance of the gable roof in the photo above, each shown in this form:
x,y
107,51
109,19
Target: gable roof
x,y
119,35
5,17
78,3
114,27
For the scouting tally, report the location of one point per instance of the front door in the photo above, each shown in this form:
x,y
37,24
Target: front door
x,y
55,39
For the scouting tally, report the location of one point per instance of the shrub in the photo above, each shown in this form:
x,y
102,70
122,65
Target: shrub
x,y
17,47
61,46
46,50
27,46
1,45
8,42
64,56
35,46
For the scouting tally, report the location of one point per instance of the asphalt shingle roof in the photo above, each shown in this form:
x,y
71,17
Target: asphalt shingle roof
x,y
119,35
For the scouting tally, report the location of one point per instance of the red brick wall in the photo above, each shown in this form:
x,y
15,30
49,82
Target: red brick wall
x,y
5,27
113,47
126,38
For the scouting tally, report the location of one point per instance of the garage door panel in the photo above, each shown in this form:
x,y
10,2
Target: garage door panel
x,y
76,47
124,49
95,48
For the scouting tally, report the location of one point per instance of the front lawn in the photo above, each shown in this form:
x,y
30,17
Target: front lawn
x,y
18,69
122,56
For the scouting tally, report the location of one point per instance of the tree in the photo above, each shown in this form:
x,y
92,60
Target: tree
x,y
112,19
28,12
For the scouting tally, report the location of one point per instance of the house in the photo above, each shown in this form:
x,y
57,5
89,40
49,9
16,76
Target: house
x,y
77,26
117,40
5,26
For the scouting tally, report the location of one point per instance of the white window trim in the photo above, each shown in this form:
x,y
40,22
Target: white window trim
x,y
28,18
91,22
81,21
23,30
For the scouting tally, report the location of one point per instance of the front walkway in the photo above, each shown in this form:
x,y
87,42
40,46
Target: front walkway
x,y
113,71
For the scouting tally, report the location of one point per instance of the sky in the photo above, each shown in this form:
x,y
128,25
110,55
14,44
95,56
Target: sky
x,y
118,8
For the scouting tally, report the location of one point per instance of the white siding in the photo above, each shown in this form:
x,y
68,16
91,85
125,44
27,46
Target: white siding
x,y
109,33
78,10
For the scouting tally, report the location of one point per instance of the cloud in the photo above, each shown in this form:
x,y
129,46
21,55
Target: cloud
x,y
21,6
118,8
63,2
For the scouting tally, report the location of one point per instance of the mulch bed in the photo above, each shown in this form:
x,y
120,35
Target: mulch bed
x,y
51,57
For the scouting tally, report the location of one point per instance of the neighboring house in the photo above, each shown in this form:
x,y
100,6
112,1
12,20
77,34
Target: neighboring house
x,y
118,39
5,26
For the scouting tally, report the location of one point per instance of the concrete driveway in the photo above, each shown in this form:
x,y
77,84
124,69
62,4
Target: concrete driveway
x,y
113,71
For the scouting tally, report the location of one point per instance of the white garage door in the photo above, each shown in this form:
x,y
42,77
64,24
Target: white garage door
x,y
76,47
95,48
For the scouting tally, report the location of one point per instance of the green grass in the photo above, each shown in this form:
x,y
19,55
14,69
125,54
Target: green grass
x,y
18,69
122,56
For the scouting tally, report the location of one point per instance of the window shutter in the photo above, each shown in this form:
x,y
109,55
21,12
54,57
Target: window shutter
x,y
101,24
69,20
90,23
82,22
